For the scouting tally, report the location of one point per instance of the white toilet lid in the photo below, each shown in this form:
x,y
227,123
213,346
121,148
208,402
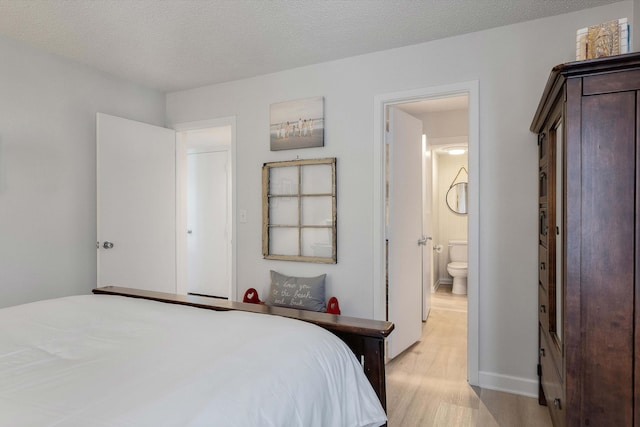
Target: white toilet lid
x,y
457,264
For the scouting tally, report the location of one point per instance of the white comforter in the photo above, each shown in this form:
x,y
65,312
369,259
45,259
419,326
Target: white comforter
x,y
99,360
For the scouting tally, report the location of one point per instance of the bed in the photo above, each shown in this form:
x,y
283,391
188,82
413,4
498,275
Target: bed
x,y
110,360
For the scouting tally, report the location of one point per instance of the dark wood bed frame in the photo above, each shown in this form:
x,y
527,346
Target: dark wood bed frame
x,y
364,337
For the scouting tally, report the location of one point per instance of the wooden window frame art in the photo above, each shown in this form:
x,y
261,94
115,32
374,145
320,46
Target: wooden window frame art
x,y
295,227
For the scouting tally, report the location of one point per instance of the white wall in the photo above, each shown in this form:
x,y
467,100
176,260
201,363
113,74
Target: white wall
x,y
512,65
635,31
47,169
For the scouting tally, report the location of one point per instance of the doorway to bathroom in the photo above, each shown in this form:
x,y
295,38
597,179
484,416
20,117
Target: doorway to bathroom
x,y
448,121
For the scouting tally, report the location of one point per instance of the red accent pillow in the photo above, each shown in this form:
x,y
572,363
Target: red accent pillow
x,y
251,296
332,306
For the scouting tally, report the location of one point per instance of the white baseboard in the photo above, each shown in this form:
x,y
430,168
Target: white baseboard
x,y
441,281
509,384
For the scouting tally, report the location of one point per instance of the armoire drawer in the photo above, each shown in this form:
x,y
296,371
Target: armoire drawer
x,y
551,383
543,149
543,309
543,268
543,185
543,226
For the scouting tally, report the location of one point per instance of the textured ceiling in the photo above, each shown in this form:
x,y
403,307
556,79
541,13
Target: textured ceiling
x,y
179,44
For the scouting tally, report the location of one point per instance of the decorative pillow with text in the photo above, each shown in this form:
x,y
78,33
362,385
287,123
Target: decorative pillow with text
x,y
304,293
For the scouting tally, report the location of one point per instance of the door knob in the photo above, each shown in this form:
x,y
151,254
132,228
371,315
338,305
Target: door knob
x,y
423,241
107,245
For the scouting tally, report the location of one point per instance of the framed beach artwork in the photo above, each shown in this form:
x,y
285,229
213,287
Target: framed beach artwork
x,y
297,124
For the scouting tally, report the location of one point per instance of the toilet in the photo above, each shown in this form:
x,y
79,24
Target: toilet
x,y
457,266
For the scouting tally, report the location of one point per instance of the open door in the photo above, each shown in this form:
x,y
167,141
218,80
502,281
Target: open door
x,y
136,204
404,231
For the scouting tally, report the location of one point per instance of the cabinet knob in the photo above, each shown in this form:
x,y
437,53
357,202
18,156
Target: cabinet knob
x,y
543,266
543,308
542,352
556,403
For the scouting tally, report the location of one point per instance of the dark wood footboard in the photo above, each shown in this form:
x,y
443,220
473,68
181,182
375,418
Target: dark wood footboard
x,y
363,336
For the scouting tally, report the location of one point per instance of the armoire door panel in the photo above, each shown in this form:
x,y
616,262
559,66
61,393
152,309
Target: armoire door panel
x,y
636,412
572,244
607,215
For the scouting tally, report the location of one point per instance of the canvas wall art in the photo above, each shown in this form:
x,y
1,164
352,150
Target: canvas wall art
x,y
297,124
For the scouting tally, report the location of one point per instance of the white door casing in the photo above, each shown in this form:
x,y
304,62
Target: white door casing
x,y
135,204
472,89
404,230
427,228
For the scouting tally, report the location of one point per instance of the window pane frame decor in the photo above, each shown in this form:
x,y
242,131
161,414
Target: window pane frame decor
x,y
288,199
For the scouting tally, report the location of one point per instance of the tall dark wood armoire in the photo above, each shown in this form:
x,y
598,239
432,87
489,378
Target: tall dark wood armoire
x,y
588,122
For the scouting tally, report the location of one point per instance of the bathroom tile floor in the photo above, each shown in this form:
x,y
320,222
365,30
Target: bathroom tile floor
x,y
427,386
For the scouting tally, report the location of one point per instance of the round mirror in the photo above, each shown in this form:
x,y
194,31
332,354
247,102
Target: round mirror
x,y
457,199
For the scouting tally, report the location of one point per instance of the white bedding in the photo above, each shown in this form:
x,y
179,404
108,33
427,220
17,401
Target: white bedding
x,y
99,360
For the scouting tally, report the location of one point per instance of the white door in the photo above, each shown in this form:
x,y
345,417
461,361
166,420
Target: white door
x,y
208,224
404,230
136,212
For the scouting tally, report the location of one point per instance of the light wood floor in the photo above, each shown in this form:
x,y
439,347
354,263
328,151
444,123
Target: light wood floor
x,y
427,386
